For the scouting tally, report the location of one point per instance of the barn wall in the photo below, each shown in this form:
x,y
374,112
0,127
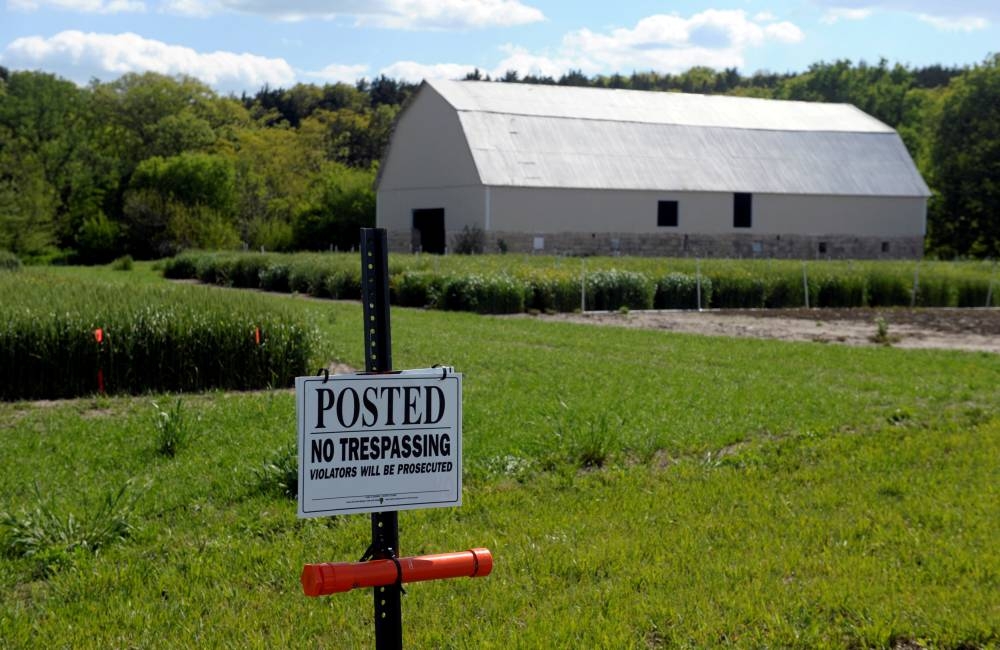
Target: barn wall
x,y
463,206
560,210
590,222
428,148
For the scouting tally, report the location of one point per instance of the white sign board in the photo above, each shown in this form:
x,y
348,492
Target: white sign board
x,y
377,442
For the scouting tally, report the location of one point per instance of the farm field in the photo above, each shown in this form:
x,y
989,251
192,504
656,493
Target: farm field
x,y
638,488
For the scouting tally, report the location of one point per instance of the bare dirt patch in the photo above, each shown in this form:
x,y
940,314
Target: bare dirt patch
x,y
955,329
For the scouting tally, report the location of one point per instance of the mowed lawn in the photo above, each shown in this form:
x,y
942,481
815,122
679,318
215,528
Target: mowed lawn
x,y
637,488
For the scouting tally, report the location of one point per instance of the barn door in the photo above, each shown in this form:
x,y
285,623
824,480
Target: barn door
x,y
429,226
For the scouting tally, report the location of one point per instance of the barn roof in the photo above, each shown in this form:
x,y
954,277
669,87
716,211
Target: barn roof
x,y
568,137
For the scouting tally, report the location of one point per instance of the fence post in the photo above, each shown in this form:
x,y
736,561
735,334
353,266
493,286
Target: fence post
x,y
378,358
805,283
697,266
989,289
916,284
583,285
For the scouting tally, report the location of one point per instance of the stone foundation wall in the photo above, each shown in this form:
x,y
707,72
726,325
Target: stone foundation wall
x,y
677,245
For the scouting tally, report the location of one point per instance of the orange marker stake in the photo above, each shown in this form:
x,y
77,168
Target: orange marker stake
x,y
331,578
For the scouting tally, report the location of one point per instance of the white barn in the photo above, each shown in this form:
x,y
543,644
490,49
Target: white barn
x,y
595,171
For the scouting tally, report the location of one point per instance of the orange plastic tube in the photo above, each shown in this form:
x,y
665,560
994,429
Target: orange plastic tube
x,y
331,578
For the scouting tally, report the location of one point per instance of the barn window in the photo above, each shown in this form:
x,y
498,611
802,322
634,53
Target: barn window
x,y
822,247
666,214
742,210
885,247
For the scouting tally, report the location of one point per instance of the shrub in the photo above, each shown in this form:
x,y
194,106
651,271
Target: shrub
x,y
471,241
680,291
307,276
123,263
889,289
274,277
182,267
244,270
841,290
784,290
971,292
936,291
416,289
9,261
494,294
610,290
553,292
343,285
738,290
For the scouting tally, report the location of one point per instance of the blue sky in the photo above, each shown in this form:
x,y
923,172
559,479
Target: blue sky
x,y
239,45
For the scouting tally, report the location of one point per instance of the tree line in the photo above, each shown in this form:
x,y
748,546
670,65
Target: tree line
x,y
149,164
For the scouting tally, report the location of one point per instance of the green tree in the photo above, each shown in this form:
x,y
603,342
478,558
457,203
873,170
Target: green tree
x,y
27,201
965,166
49,121
184,201
342,201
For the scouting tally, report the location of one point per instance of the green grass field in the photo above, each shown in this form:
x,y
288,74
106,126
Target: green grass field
x,y
638,489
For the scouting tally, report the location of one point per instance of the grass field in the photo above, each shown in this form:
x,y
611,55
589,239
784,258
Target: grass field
x,y
638,489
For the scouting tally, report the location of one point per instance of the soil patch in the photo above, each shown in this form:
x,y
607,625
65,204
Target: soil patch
x,y
954,329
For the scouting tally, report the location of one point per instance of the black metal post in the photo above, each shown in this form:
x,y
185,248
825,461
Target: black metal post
x,y
378,358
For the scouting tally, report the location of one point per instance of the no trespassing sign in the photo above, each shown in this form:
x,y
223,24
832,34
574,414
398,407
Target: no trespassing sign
x,y
379,442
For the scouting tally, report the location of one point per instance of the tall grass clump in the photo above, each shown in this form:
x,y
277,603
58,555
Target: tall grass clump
x,y
42,532
65,337
172,429
280,474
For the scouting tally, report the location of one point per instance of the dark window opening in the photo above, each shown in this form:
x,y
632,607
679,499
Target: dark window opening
x,y
742,210
428,226
885,247
822,247
666,214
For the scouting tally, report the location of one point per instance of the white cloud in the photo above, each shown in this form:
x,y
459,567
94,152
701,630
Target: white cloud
x,y
958,24
335,72
671,43
540,65
414,72
81,56
193,8
81,6
837,14
389,14
453,14
954,15
784,32
665,42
